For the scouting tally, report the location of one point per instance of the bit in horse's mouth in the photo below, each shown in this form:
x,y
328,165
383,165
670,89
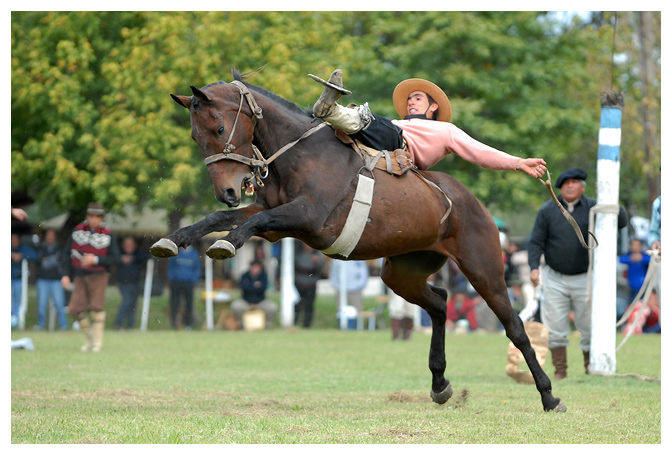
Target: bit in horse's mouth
x,y
248,187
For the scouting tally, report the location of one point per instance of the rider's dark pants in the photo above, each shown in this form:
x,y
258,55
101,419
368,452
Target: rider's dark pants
x,y
381,134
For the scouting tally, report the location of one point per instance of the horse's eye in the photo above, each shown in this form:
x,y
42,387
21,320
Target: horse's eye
x,y
220,131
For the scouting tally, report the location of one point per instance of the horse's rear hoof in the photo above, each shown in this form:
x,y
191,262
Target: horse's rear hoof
x,y
221,249
442,396
560,407
164,248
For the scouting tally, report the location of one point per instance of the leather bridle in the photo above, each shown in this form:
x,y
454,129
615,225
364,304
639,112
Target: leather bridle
x,y
259,164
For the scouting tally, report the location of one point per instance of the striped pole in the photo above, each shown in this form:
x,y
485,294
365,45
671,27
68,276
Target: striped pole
x,y
603,312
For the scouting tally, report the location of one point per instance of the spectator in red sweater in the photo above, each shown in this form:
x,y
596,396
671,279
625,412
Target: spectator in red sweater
x,y
461,308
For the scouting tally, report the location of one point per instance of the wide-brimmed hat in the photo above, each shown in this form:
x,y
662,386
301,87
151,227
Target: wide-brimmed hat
x,y
405,88
95,208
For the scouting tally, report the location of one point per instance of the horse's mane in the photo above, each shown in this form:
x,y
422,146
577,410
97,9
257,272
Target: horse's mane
x,y
238,76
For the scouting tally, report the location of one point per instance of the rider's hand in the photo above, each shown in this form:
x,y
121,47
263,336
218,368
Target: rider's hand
x,y
534,167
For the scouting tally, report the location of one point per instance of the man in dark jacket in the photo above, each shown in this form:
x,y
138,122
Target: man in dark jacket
x,y
565,277
91,250
308,267
49,275
129,275
184,271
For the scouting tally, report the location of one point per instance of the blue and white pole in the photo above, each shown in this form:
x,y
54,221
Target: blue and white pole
x,y
603,333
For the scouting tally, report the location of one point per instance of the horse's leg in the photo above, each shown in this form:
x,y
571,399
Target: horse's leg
x,y
407,276
291,218
217,221
479,258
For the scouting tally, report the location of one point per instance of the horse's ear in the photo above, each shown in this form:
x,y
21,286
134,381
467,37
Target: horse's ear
x,y
184,101
199,94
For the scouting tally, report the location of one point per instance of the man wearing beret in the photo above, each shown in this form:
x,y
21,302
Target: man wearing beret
x,y
565,276
91,249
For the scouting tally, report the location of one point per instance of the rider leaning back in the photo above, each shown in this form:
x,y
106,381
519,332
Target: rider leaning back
x,y
425,131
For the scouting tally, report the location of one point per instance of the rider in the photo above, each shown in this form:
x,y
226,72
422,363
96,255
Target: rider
x,y
416,101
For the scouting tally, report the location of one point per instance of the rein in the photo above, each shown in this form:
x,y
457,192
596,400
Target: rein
x,y
260,164
566,214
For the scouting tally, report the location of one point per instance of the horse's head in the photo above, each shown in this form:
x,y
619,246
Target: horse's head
x,y
222,124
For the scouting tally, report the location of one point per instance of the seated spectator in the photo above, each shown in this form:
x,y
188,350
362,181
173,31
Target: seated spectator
x,y
638,264
253,283
461,308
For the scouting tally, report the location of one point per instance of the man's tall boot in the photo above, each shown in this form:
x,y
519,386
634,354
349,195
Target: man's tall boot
x,y
396,328
85,328
407,325
348,119
333,90
97,329
586,361
559,356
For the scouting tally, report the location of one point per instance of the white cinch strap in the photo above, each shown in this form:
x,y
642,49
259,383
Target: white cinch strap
x,y
354,225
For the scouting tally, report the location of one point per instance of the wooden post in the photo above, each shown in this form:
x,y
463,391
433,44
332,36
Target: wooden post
x,y
287,283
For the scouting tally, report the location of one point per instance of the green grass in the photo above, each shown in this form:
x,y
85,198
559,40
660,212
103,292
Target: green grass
x,y
325,308
312,387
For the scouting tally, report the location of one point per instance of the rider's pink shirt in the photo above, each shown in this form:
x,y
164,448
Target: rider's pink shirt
x,y
429,141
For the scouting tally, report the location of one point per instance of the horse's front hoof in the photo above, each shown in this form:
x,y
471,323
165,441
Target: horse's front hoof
x,y
221,249
164,248
443,396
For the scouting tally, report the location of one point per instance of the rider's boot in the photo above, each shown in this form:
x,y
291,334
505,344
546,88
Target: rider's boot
x,y
349,119
333,89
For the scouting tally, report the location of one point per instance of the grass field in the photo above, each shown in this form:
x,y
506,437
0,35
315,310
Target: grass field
x,y
312,387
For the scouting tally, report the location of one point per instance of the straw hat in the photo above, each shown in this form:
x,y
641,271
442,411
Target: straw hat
x,y
405,88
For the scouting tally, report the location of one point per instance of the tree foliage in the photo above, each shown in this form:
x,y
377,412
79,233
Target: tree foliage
x,y
92,119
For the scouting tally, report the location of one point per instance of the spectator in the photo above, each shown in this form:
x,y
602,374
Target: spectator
x,y
565,275
356,277
254,283
184,271
654,226
49,275
654,239
91,249
461,311
401,317
129,277
308,267
638,264
20,251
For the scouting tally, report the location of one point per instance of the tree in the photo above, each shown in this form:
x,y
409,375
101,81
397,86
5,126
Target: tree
x,y
92,119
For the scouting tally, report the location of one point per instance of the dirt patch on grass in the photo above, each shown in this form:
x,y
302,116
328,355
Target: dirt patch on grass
x,y
401,396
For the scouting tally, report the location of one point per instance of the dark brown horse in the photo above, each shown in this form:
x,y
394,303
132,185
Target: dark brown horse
x,y
306,191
